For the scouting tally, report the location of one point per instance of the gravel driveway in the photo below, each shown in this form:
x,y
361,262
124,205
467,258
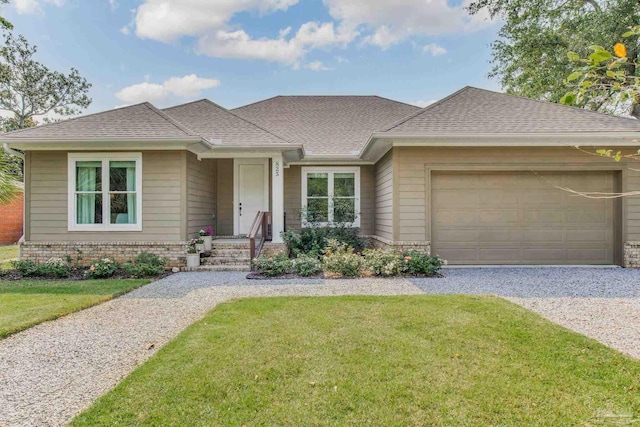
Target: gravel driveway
x,y
53,371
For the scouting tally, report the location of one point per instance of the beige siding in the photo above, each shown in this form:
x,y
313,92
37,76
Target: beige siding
x,y
384,197
412,203
293,197
224,214
201,193
161,200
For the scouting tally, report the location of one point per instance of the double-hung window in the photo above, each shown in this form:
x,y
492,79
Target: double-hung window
x,y
331,196
105,192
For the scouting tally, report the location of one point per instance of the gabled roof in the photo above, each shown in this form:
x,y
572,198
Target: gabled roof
x,y
140,121
326,125
479,111
214,122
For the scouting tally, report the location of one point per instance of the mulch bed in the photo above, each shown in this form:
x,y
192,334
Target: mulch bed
x,y
258,276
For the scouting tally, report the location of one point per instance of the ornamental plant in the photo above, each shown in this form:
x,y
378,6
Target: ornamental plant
x,y
102,269
419,264
384,262
278,265
306,265
341,259
146,265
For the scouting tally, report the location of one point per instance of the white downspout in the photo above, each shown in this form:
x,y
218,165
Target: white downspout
x,y
11,152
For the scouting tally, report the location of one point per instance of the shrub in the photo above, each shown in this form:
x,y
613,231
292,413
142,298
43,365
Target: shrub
x,y
384,263
102,269
313,240
422,265
145,265
273,266
341,259
55,267
306,265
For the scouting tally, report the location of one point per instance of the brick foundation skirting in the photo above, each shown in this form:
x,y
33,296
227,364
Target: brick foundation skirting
x,y
632,254
84,253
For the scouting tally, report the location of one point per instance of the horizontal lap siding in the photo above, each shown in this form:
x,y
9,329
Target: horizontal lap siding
x,y
161,200
413,186
201,193
224,211
384,197
293,197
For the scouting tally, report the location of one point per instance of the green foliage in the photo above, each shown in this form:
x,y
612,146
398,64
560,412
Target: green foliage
x,y
313,240
418,264
4,24
54,268
8,179
145,265
306,265
102,269
278,265
385,263
341,259
539,39
28,88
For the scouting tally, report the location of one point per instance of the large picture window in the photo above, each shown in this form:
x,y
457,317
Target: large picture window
x,y
331,196
105,192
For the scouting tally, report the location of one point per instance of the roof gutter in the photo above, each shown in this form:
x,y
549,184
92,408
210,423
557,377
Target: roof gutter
x,y
11,152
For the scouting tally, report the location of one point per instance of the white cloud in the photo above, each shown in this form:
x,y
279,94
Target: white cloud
x,y
27,7
183,87
434,49
125,30
317,66
422,104
113,4
377,22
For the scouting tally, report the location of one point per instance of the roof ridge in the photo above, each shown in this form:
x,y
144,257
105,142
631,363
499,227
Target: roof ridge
x,y
396,101
184,104
171,120
599,113
425,109
257,102
13,132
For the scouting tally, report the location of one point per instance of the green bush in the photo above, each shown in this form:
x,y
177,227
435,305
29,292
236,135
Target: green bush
x,y
422,265
53,268
386,263
273,266
145,265
313,240
342,260
306,265
103,269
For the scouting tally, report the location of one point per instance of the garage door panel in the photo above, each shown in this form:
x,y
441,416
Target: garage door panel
x,y
519,217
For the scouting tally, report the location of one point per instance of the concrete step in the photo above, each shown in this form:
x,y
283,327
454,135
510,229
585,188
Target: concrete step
x,y
215,245
228,253
216,260
228,267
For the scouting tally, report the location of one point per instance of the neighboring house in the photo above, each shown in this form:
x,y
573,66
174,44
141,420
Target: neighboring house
x,y
11,219
473,177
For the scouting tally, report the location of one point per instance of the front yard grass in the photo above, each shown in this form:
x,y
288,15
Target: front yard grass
x,y
419,360
26,303
7,254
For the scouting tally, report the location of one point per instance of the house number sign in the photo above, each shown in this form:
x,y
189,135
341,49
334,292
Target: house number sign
x,y
277,168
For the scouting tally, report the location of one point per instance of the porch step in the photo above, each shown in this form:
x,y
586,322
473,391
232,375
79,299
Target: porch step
x,y
228,267
230,253
219,260
242,245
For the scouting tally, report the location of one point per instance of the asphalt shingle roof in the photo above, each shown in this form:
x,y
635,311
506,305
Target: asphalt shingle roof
x,y
326,124
136,121
479,111
212,121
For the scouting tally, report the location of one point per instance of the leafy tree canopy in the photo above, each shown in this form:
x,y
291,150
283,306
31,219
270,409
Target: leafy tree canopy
x,y
530,57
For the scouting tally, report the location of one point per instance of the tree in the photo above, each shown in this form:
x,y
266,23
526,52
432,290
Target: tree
x,y
4,24
28,88
8,187
530,57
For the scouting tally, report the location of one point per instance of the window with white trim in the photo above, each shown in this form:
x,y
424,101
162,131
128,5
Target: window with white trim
x,y
105,191
331,196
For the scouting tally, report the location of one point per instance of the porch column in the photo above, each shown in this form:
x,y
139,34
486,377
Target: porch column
x,y
277,194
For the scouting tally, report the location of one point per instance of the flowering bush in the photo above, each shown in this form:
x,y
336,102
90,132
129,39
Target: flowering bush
x,y
306,265
145,265
102,269
384,263
342,260
207,232
278,265
418,264
54,267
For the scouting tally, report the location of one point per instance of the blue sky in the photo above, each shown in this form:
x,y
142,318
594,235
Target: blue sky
x,y
239,51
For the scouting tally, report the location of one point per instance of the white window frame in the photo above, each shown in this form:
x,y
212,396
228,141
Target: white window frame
x,y
331,171
105,158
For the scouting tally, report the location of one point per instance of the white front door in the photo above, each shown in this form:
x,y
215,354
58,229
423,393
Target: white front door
x,y
251,192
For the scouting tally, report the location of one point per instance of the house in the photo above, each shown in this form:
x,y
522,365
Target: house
x,y
11,217
479,177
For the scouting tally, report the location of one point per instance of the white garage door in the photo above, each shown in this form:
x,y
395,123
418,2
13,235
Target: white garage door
x,y
521,218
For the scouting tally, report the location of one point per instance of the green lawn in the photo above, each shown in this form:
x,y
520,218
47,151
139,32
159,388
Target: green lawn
x,y
7,253
26,303
421,360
